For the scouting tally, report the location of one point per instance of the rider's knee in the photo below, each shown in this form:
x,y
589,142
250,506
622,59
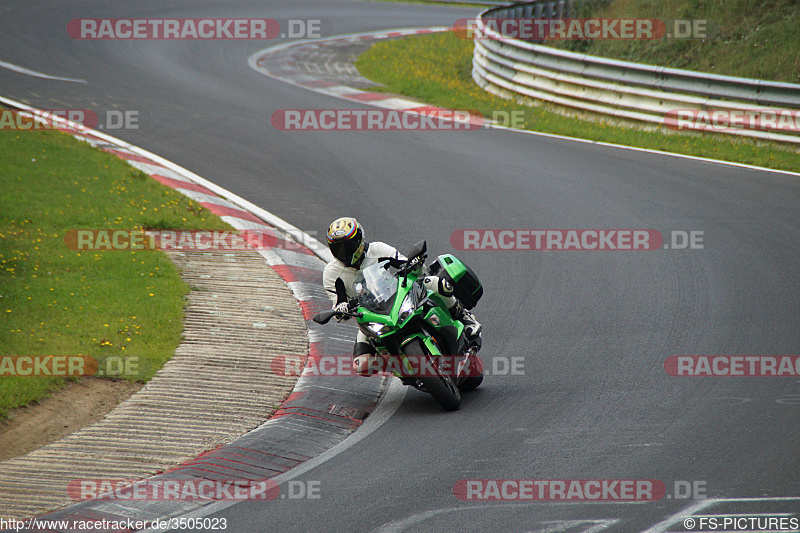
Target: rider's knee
x,y
439,285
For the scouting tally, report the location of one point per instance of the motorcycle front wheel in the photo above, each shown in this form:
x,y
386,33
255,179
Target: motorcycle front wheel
x,y
442,388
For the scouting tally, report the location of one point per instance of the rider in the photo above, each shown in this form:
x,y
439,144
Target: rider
x,y
351,253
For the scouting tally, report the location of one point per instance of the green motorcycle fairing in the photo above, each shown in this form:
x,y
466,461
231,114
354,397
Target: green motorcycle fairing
x,y
387,307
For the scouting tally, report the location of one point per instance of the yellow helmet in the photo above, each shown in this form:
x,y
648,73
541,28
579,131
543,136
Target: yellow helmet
x,y
346,240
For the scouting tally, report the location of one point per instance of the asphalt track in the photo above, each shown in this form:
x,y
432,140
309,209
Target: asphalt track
x,y
594,328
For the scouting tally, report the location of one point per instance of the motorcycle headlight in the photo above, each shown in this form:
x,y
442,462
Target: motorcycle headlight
x,y
374,329
408,306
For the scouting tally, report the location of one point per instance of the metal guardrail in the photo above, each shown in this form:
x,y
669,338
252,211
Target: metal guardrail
x,y
477,2
522,70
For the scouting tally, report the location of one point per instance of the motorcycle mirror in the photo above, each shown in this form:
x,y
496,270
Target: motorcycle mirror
x,y
418,249
323,317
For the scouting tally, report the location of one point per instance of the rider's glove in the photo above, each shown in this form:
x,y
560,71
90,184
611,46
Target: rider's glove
x,y
342,308
393,262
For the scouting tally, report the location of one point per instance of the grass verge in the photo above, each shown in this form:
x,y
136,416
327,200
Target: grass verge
x,y
748,38
115,306
437,68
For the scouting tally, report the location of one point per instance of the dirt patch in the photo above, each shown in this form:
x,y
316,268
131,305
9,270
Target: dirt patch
x,y
67,410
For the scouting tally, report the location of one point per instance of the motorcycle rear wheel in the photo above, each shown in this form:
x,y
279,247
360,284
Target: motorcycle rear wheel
x,y
471,383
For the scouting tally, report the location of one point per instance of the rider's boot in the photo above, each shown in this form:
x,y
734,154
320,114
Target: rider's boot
x,y
365,361
368,365
471,325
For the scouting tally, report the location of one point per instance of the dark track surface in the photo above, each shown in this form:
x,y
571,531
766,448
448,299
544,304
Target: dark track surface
x,y
594,327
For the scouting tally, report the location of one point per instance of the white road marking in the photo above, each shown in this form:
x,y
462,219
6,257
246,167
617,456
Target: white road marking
x,y
414,520
282,256
29,72
559,526
695,509
680,516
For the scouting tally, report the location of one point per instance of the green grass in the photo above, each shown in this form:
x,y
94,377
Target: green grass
x,y
749,38
436,68
56,301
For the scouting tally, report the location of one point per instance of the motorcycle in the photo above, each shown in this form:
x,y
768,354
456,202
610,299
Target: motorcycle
x,y
410,326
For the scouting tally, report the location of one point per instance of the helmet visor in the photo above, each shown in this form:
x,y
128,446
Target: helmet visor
x,y
344,250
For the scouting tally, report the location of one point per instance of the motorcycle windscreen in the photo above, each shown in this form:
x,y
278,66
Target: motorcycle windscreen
x,y
376,288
